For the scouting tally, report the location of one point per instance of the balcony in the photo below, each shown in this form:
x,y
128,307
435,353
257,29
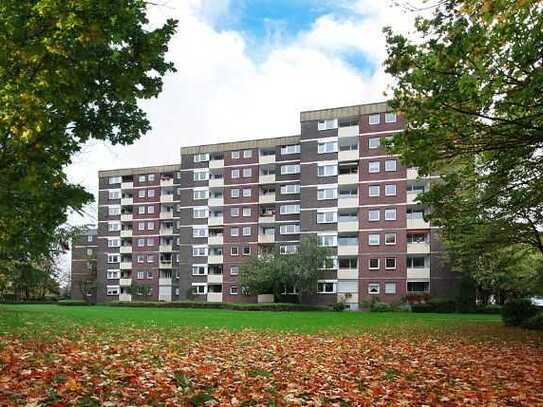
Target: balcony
x,y
347,274
127,201
166,265
350,250
125,282
214,278
266,179
349,131
412,173
127,185
347,226
216,164
418,248
166,214
215,259
166,231
347,179
126,233
215,240
266,159
126,265
167,248
126,217
125,297
215,220
266,198
417,224
265,239
348,155
266,219
165,281
350,201
166,198
215,202
216,182
418,273
166,182
214,297
412,197
126,249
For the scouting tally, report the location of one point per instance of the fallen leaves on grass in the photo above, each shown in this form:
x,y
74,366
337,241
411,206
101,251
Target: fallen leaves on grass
x,y
242,368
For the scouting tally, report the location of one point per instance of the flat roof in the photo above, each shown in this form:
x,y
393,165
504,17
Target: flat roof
x,y
235,145
344,111
139,170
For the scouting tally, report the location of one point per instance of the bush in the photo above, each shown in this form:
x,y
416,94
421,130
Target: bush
x,y
442,305
378,306
515,312
340,306
422,308
218,305
535,322
73,302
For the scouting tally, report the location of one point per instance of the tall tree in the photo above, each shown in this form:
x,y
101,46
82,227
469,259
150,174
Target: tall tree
x,y
70,71
471,91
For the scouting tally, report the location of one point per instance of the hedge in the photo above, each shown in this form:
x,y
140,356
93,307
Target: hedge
x,y
28,302
73,303
446,306
219,305
535,322
517,311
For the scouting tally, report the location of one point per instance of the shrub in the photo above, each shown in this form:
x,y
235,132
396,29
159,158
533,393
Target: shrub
x,y
422,308
73,302
442,305
535,322
219,305
378,306
340,306
516,311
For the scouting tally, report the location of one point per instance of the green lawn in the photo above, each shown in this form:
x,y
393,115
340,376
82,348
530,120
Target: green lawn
x,y
51,317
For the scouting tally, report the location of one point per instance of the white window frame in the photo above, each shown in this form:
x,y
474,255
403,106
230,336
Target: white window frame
x,y
324,239
114,194
202,157
328,124
390,117
290,189
200,231
323,191
112,290
390,214
113,274
246,231
374,167
200,212
290,229
289,209
236,268
200,193
378,263
326,216
374,285
378,191
246,212
326,170
290,169
199,250
198,268
234,290
290,149
200,175
234,193
374,239
234,232
324,283
234,155
246,192
390,190
247,172
327,147
388,287
374,212
374,119
234,174
115,180
395,263
391,165
247,153
388,235
234,212
374,143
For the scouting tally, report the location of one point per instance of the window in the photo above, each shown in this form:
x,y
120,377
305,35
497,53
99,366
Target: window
x,y
330,263
289,209
140,275
247,154
113,242
390,117
201,157
327,147
114,180
374,239
114,194
373,264
150,225
374,142
199,232
199,251
374,119
234,173
328,240
327,170
141,193
113,258
247,172
199,269
416,262
327,124
292,149
390,263
140,258
246,250
415,214
246,212
234,290
374,166
416,238
150,258
288,249
327,217
141,210
151,177
150,209
246,192
89,237
234,155
198,289
390,238
390,214
390,165
150,241
415,188
290,169
112,227
246,231
374,288
418,286
114,210
374,190
374,215
112,274
234,232
390,190
150,193
200,194
234,251
141,226
290,189
141,178
289,229
327,193
149,275
326,287
199,213
234,270
112,290
89,252
234,193
141,242
234,212
200,175
390,288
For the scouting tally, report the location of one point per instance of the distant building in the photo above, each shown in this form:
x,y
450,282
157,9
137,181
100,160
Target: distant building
x,y
84,270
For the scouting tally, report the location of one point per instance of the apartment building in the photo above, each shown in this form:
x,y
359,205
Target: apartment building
x,y
183,231
84,268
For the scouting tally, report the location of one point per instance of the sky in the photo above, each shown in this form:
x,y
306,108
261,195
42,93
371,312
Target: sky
x,y
246,69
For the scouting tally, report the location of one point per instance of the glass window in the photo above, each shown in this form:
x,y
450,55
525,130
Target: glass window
x,y
234,290
114,194
201,157
374,239
290,189
150,225
246,231
390,263
246,212
390,288
151,193
373,264
374,119
234,212
418,286
235,155
151,177
234,232
247,172
374,215
199,251
141,178
374,142
199,213
199,269
246,192
247,154
374,166
234,173
390,190
246,251
291,149
200,175
390,238
289,209
234,251
374,288
234,193
390,165
234,270
374,190
114,180
327,217
327,170
290,169
390,117
328,240
327,147
288,249
390,214
289,229
416,262
327,193
200,194
327,124
326,287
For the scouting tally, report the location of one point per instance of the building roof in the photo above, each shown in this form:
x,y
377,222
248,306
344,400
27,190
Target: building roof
x,y
344,112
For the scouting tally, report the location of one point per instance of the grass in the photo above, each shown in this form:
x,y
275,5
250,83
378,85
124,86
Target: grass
x,y
15,318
